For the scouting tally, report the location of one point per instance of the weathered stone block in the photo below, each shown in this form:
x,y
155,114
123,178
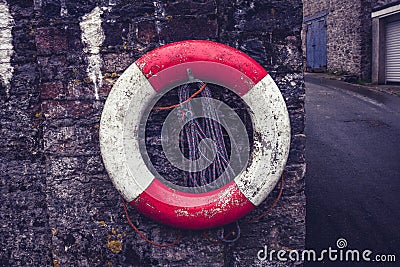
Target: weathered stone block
x,y
190,8
76,109
52,90
183,28
50,40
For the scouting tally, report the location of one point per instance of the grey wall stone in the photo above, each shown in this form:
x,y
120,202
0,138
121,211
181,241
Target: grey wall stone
x,y
349,33
344,39
24,219
59,206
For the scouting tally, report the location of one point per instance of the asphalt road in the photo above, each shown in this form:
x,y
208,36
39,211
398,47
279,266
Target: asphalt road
x,y
353,170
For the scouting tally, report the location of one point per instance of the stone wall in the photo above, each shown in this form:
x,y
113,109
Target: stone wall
x,y
312,7
24,221
59,206
344,37
343,24
349,34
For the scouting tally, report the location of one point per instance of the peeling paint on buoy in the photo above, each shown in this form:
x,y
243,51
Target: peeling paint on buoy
x,y
93,38
6,46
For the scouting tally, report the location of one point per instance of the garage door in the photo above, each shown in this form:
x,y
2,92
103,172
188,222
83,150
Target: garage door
x,y
393,51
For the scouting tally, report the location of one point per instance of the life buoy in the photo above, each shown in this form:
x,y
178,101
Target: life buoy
x,y
171,65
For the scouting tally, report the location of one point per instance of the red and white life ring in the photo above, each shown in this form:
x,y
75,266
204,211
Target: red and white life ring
x,y
167,66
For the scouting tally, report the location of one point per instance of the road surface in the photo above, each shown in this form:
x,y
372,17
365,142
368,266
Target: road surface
x,y
353,170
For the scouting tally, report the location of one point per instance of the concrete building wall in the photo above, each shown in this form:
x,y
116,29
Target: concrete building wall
x,y
384,12
59,206
381,3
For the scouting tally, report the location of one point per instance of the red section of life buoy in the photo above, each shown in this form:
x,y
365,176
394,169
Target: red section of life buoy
x,y
203,53
193,211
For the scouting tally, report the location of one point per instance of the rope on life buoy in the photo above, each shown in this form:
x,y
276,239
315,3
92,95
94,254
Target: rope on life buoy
x,y
184,102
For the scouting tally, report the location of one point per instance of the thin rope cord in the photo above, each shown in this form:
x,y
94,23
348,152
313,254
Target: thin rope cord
x,y
194,132
223,238
208,238
143,236
180,104
214,131
256,219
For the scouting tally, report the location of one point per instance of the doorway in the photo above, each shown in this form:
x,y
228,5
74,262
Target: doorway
x,y
316,45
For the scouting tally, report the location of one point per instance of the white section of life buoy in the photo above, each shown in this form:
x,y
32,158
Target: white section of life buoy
x,y
271,143
119,133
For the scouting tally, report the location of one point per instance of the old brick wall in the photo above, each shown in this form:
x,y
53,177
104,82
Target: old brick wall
x,y
59,206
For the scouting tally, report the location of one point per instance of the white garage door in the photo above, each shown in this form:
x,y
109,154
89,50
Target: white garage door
x,y
393,51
